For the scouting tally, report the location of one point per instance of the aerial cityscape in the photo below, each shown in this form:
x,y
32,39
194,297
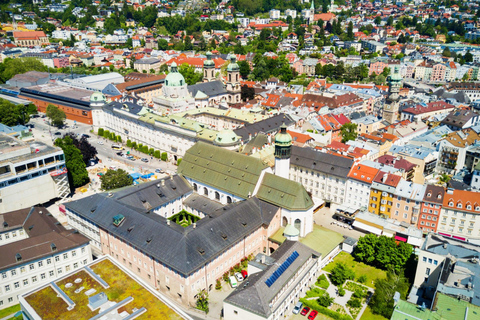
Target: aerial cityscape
x,y
240,160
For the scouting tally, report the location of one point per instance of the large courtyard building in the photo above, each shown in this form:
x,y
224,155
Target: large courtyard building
x,y
30,173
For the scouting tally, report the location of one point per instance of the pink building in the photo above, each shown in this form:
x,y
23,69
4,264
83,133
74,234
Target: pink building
x,y
438,72
61,62
377,67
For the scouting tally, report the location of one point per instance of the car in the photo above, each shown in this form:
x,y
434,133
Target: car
x,y
239,276
58,133
233,281
244,274
159,171
119,153
144,160
305,311
86,136
312,315
297,307
100,142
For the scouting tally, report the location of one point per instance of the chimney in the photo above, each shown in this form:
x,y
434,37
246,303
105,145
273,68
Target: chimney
x,y
163,182
168,222
384,178
194,225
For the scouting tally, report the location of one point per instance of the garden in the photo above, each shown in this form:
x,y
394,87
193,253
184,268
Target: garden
x,y
184,218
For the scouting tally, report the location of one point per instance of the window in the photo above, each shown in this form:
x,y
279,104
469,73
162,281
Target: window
x,y
16,285
75,265
59,270
22,269
49,261
430,261
25,282
7,287
57,258
427,272
424,259
42,276
74,253
4,275
65,256
40,264
83,250
10,299
14,272
435,262
51,273
32,266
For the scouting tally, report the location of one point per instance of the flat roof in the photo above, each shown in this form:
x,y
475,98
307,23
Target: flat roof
x,y
15,100
45,301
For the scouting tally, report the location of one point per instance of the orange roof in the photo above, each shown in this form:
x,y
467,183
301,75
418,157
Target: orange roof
x,y
28,35
388,179
195,61
363,173
324,16
462,198
299,137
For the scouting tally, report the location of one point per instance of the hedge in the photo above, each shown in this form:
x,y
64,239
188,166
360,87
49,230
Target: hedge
x,y
179,161
139,146
129,143
134,145
100,132
113,136
156,154
164,156
106,134
151,151
145,149
119,139
313,304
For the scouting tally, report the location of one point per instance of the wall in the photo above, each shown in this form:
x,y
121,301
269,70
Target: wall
x,y
80,115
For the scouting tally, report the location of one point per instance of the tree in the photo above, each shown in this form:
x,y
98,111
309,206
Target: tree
x,y
350,31
11,114
114,179
202,301
188,72
341,273
88,151
100,132
365,249
162,44
325,300
247,93
244,69
164,156
57,117
348,131
12,67
378,20
446,53
390,21
382,300
468,57
77,171
188,43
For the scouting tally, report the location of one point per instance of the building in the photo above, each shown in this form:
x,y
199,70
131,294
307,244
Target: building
x,y
382,193
149,65
269,296
367,124
407,200
420,112
453,149
29,79
461,119
31,173
233,81
34,250
373,46
113,292
390,109
30,38
360,179
145,88
431,207
96,82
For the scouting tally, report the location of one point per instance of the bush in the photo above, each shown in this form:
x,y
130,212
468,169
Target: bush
x,y
225,276
106,134
119,139
113,136
129,143
322,282
218,285
359,294
341,291
341,273
315,292
313,304
134,145
100,132
362,278
354,303
164,156
325,300
151,151
139,147
156,154
145,149
179,161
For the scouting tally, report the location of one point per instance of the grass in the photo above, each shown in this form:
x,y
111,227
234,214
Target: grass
x,y
315,292
318,317
45,301
184,218
368,315
360,268
8,311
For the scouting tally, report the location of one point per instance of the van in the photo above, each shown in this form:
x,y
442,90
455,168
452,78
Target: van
x,y
233,281
297,307
117,147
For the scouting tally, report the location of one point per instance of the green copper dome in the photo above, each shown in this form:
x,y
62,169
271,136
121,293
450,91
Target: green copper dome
x,y
395,76
291,231
174,78
226,137
283,138
97,97
209,62
233,66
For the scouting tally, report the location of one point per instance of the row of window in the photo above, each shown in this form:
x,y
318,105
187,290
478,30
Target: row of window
x,y
13,233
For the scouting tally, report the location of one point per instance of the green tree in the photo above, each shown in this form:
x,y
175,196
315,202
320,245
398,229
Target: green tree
x,y
378,20
202,301
188,72
468,57
88,151
365,249
382,300
325,300
100,132
341,273
162,44
446,52
57,117
12,67
348,131
244,69
188,43
156,154
390,21
77,170
11,114
350,36
114,179
247,93
164,156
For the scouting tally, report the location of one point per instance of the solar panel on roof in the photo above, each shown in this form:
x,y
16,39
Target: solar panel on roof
x,y
281,269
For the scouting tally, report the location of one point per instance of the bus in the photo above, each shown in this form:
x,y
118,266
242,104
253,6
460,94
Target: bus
x,y
117,147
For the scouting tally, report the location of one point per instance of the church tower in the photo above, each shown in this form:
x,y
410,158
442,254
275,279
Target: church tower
x,y
390,109
233,81
283,149
312,12
208,68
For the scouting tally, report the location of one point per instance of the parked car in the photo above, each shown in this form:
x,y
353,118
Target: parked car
x,y
244,274
233,281
159,171
144,160
239,276
297,307
58,133
120,153
100,142
312,315
86,136
305,311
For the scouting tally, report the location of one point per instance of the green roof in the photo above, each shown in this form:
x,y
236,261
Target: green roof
x,y
291,231
223,169
284,193
448,308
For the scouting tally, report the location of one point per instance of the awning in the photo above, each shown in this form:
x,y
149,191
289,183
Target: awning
x,y
414,241
400,238
366,227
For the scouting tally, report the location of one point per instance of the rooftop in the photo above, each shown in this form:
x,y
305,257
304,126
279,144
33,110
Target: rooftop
x,y
48,305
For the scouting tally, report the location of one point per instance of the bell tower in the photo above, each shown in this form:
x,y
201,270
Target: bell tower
x,y
233,81
208,68
283,150
390,109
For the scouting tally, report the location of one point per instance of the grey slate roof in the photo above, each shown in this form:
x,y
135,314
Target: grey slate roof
x,y
202,204
256,296
319,161
211,89
184,250
269,125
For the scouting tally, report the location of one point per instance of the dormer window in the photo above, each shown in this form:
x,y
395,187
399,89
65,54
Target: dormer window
x,y
450,204
429,194
459,205
53,247
477,208
469,207
18,257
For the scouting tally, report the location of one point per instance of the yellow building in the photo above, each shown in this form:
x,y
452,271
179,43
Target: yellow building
x,y
382,193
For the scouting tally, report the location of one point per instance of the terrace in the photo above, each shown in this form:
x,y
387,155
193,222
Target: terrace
x,y
97,292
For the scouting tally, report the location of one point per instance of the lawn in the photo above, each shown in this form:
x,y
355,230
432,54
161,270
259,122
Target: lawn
x,y
360,268
8,311
46,302
368,315
318,317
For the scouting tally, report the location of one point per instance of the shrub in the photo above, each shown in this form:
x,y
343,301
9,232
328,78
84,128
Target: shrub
x,y
156,154
218,285
179,161
315,292
113,136
325,300
106,134
341,291
322,282
134,145
362,278
354,303
225,276
129,143
341,273
151,151
119,139
359,294
145,149
313,304
100,132
139,147
164,156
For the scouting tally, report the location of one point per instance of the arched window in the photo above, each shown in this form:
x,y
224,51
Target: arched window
x,y
195,187
205,191
284,222
298,224
229,199
217,195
